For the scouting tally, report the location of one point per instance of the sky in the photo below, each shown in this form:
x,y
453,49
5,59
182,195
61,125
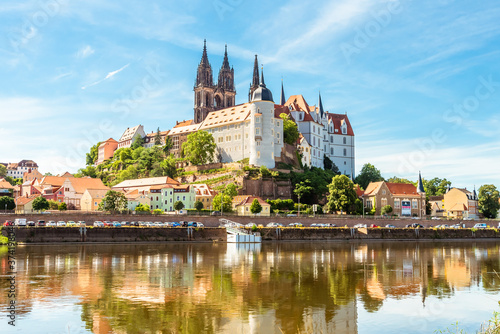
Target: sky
x,y
419,80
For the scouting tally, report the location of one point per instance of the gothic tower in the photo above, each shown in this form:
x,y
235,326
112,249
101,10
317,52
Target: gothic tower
x,y
203,89
224,92
255,80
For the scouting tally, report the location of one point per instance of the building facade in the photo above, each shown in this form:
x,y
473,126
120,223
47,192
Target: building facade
x,y
461,203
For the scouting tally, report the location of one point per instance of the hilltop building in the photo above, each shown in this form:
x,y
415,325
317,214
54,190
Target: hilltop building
x,y
17,170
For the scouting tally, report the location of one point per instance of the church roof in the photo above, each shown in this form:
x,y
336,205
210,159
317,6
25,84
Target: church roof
x,y
262,93
231,115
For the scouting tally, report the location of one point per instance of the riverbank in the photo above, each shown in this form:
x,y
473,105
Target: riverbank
x,y
29,235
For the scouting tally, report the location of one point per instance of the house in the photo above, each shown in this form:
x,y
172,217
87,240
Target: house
x,y
75,187
149,139
461,203
163,197
136,197
204,194
405,199
32,187
91,199
437,206
144,184
32,174
6,189
130,135
304,149
242,204
24,204
106,150
17,170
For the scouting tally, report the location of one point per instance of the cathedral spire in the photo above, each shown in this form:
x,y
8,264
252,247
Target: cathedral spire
x,y
262,82
204,58
320,106
225,63
255,81
420,185
282,97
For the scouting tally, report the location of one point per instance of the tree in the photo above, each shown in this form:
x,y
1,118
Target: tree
x,y
3,170
255,207
137,142
231,190
178,206
53,205
302,189
158,138
199,148
329,165
488,201
290,131
368,174
7,203
168,145
62,207
90,171
91,157
142,208
227,203
396,179
113,201
198,205
386,210
342,196
436,186
40,203
169,167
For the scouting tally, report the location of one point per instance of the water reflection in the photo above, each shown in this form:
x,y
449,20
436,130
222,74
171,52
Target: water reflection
x,y
219,288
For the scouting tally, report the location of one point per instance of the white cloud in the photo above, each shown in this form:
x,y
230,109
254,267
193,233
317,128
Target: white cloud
x,y
85,52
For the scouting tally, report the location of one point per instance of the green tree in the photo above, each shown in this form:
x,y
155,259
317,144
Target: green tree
x,y
227,203
436,186
142,208
488,200
301,189
168,145
7,202
158,138
113,201
329,165
290,131
396,179
255,207
91,157
386,210
199,148
137,142
169,166
198,205
40,203
231,190
3,170
178,206
342,195
90,171
62,207
368,174
53,205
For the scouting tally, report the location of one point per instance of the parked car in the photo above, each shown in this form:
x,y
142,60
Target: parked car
x,y
117,224
107,223
198,224
70,223
436,218
250,225
98,223
456,226
480,225
390,226
81,223
216,213
272,224
20,222
125,223
134,224
359,225
8,223
415,225
51,223
175,224
374,226
295,225
30,223
61,223
40,223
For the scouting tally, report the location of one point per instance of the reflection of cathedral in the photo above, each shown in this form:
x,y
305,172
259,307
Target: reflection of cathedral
x,y
207,96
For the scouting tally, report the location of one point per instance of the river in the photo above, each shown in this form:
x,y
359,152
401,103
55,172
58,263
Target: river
x,y
308,287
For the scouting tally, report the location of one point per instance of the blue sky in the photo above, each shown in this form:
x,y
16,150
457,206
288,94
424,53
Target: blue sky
x,y
419,80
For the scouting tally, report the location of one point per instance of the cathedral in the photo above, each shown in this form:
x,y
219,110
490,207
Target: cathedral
x,y
207,96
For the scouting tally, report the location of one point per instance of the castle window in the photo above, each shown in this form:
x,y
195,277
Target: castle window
x,y
257,119
278,123
345,152
257,131
331,150
331,139
345,140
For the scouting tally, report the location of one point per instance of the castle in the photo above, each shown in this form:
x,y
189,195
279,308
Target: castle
x,y
254,129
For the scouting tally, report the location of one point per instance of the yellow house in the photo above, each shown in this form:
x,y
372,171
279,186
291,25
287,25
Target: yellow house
x,y
91,199
242,204
25,204
204,194
461,203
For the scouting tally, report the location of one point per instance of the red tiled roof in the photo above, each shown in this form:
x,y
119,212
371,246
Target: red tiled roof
x,y
25,200
337,122
245,199
183,123
402,188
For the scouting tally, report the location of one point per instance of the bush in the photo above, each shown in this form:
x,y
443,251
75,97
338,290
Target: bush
x,y
62,207
157,211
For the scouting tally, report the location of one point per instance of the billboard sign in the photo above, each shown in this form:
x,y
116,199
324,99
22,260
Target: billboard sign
x,y
406,208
